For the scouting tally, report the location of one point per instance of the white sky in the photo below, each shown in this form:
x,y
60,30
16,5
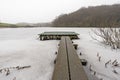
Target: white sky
x,y
33,11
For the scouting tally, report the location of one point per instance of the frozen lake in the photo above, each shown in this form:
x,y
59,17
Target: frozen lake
x,y
22,47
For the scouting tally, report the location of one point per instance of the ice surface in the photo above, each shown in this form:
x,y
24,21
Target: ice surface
x,y
21,47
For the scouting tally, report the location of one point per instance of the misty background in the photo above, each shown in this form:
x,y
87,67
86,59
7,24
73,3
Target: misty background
x,y
35,11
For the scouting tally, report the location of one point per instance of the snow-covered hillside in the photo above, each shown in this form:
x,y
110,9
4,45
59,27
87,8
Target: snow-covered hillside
x,y
21,47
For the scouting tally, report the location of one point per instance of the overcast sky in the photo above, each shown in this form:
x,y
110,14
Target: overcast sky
x,y
33,11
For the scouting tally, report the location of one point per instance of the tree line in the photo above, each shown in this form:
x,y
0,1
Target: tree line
x,y
97,16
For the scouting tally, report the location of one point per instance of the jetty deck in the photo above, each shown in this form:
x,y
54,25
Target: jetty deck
x,y
57,35
68,65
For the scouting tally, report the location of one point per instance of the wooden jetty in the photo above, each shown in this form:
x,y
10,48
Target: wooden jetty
x,y
57,35
68,65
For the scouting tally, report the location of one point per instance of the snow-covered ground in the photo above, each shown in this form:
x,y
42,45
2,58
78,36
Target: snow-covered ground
x,y
21,47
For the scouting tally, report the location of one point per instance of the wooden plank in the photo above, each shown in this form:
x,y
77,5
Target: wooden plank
x,y
76,69
61,67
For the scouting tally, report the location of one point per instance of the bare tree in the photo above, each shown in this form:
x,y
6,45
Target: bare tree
x,y
109,36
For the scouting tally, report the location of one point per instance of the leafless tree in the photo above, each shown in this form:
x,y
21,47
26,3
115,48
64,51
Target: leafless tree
x,y
109,36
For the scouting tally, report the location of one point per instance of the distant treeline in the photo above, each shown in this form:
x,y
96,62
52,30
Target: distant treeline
x,y
25,25
99,16
7,25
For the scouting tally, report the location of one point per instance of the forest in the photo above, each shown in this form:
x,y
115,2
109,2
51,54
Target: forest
x,y
92,16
